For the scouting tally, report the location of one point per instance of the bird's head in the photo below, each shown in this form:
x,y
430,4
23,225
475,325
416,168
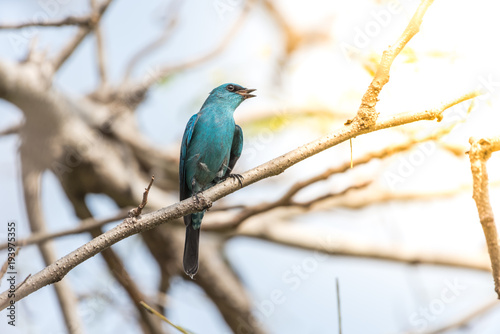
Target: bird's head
x,y
232,94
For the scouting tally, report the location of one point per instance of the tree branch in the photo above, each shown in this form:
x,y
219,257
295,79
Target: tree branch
x,y
287,198
167,32
101,57
336,244
84,21
479,154
165,71
31,179
367,115
83,31
55,272
84,226
464,321
11,130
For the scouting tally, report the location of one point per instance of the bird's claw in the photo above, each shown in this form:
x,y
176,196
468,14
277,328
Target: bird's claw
x,y
238,177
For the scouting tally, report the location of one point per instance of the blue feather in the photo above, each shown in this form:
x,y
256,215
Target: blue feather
x,y
211,145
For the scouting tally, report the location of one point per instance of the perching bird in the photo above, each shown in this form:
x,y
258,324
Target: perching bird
x,y
211,145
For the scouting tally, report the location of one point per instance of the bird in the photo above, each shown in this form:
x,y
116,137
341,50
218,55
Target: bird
x,y
210,147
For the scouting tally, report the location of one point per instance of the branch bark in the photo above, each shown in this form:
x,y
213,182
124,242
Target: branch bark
x,y
479,154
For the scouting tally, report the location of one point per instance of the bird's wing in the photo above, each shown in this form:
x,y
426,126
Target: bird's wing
x,y
186,139
236,148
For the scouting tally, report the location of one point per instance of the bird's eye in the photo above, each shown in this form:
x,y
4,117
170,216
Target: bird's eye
x,y
230,88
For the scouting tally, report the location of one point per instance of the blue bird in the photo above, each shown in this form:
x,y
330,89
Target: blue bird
x,y
211,145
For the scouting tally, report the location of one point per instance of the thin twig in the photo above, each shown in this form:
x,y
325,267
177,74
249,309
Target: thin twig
x,y
84,21
84,226
460,323
479,154
339,314
167,70
82,32
162,317
137,211
171,23
337,244
11,130
101,57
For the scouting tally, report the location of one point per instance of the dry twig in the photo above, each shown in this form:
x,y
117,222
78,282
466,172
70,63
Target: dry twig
x,y
137,211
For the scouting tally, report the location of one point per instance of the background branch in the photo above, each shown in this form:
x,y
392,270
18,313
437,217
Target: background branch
x,y
82,32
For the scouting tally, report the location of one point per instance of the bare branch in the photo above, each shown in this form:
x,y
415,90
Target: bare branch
x,y
342,245
479,154
11,130
339,315
84,226
167,70
84,21
56,271
31,187
367,115
83,31
150,325
464,321
151,220
162,317
287,198
171,23
101,58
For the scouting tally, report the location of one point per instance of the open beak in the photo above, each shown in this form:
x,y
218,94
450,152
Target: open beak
x,y
246,93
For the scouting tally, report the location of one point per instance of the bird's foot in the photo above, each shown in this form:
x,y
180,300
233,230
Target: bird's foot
x,y
238,177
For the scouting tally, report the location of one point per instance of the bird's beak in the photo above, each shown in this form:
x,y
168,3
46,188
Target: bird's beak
x,y
246,93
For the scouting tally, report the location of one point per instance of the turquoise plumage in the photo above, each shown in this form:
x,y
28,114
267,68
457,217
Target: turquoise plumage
x,y
211,145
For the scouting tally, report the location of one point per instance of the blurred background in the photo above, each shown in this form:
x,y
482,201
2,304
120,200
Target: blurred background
x,y
90,109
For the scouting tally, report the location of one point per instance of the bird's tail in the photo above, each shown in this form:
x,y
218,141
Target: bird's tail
x,y
191,246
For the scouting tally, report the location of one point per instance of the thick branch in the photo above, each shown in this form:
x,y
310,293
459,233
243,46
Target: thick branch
x,y
131,226
479,154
